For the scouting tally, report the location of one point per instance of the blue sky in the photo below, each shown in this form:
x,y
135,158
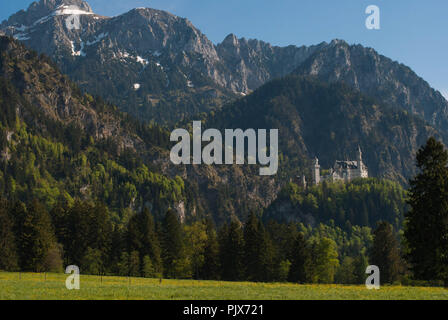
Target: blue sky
x,y
413,32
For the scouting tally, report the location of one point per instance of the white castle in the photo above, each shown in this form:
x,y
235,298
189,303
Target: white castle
x,y
342,170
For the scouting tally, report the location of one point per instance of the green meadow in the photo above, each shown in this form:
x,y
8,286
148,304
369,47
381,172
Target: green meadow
x,y
31,286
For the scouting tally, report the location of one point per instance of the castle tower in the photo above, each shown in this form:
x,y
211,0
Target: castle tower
x,y
359,159
316,171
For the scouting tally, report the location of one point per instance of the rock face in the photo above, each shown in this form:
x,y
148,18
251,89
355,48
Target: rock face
x,y
379,77
142,59
330,121
49,99
43,111
251,63
159,67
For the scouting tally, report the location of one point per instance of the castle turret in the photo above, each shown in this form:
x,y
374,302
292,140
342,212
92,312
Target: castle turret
x,y
316,171
359,159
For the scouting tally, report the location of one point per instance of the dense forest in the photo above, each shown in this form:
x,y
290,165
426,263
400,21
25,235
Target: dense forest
x,y
83,233
361,202
85,184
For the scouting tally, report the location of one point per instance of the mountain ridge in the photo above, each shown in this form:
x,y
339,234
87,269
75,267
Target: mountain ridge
x,y
161,68
378,76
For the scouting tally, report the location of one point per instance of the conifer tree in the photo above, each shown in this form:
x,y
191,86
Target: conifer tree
x,y
37,238
300,256
123,264
426,230
232,252
173,244
148,268
385,253
8,249
211,267
360,265
150,242
134,264
253,238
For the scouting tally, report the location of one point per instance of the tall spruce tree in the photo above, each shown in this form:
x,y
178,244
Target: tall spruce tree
x,y
299,257
150,242
173,245
385,253
8,249
211,267
37,238
253,237
426,228
259,258
142,237
232,252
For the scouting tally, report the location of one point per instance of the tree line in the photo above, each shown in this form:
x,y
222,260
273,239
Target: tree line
x,y
83,233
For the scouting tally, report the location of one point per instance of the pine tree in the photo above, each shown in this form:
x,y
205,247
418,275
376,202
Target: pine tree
x,y
101,232
211,267
360,265
117,247
385,253
300,256
59,218
253,249
150,242
148,268
78,232
134,264
173,244
37,238
88,226
346,271
8,249
134,234
123,264
232,252
426,229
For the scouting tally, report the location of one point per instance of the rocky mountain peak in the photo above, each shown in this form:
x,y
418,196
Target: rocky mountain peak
x,y
230,40
338,42
47,6
44,8
377,76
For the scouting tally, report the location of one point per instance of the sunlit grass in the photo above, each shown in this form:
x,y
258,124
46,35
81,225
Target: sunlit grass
x,y
26,286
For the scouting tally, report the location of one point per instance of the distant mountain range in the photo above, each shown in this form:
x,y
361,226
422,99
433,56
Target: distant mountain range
x,y
59,140
57,143
160,67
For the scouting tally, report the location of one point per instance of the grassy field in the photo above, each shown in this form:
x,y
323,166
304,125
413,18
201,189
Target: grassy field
x,y
35,286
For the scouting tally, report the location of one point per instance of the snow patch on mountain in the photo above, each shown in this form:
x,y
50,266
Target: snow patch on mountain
x,y
79,53
21,37
142,61
123,55
70,10
97,39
